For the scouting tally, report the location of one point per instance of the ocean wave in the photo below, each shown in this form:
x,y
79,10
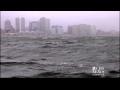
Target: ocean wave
x,y
17,63
52,74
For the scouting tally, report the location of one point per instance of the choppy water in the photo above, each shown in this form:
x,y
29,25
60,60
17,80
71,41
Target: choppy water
x,y
59,58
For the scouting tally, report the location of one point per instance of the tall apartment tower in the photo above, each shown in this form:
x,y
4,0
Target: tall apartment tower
x,y
22,24
70,30
7,24
48,26
94,31
43,25
8,27
17,24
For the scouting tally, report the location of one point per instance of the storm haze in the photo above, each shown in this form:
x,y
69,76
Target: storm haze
x,y
104,20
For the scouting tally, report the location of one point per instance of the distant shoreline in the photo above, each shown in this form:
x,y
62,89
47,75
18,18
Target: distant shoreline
x,y
57,36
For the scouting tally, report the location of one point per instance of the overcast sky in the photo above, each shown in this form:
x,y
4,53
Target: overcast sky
x,y
104,20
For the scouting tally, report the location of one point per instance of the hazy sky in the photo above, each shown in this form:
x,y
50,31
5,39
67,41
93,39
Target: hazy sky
x,y
104,20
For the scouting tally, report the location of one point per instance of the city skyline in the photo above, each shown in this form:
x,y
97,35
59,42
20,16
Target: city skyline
x,y
104,20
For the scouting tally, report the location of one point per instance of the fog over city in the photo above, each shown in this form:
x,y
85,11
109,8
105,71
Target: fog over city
x,y
104,20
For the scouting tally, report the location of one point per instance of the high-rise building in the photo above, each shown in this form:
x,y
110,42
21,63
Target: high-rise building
x,y
93,30
34,26
22,24
17,25
99,32
12,29
70,30
48,26
75,29
8,26
88,30
45,25
55,29
81,29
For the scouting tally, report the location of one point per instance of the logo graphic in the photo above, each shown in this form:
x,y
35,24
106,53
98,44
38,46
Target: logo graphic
x,y
99,71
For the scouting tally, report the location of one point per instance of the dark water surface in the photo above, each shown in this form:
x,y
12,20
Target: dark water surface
x,y
59,58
